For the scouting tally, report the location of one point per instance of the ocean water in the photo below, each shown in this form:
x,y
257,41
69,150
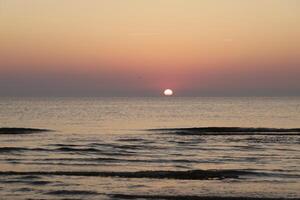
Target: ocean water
x,y
126,148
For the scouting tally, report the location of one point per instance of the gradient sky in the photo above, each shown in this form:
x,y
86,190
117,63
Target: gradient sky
x,y
140,47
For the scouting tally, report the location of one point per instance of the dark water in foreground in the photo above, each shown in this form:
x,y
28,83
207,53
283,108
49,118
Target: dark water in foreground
x,y
124,148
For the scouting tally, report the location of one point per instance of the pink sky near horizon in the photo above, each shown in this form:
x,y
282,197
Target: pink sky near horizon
x,y
141,47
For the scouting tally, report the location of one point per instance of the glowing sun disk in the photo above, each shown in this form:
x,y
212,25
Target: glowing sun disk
x,y
168,92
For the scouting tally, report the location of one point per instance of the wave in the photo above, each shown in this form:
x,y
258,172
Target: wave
x,y
19,149
70,150
181,175
72,192
94,161
21,131
34,183
62,149
228,131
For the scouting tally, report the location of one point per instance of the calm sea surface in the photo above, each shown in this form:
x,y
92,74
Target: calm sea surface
x,y
114,139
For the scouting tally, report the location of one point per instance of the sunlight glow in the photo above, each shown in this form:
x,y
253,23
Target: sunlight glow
x,y
168,92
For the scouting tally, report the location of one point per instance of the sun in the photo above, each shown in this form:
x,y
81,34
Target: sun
x,y
168,92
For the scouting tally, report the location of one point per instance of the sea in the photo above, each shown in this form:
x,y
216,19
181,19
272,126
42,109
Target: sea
x,y
150,148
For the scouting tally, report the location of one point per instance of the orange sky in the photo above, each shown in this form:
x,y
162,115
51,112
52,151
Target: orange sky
x,y
140,47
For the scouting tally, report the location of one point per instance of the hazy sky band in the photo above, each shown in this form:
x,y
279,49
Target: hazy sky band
x,y
140,47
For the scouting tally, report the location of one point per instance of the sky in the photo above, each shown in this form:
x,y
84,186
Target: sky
x,y
141,47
